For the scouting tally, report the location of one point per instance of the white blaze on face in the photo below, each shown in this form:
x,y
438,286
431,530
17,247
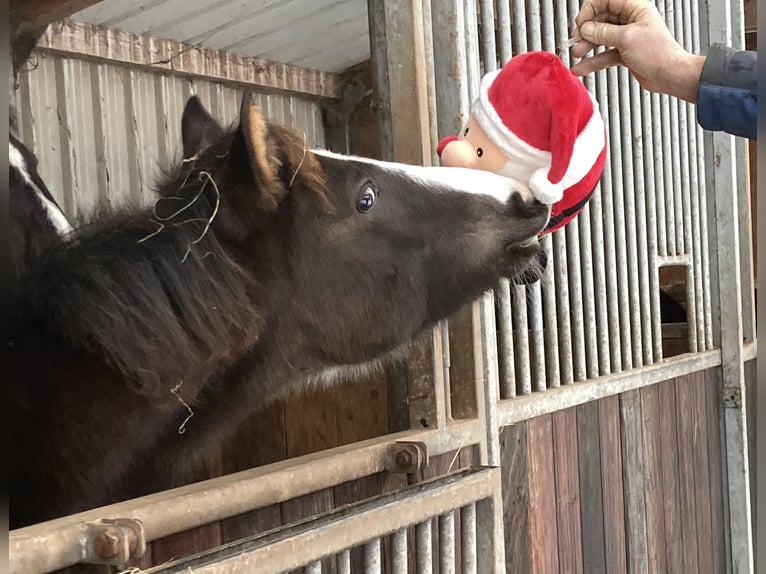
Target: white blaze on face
x,y
459,179
54,214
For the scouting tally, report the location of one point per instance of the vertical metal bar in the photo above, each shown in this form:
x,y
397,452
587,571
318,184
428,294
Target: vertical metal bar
x,y
344,562
423,548
486,376
636,287
667,157
607,225
618,223
676,137
523,379
313,568
695,246
447,543
504,29
468,539
537,352
596,232
544,352
519,20
725,237
399,553
652,206
578,264
441,382
449,57
372,557
473,60
505,332
682,168
488,35
659,173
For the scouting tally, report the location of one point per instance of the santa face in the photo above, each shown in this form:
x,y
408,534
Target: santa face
x,y
472,148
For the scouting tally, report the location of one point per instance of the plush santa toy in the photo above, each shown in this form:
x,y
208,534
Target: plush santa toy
x,y
535,122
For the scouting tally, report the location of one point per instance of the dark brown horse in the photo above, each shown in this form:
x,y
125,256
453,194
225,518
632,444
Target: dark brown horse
x,y
263,266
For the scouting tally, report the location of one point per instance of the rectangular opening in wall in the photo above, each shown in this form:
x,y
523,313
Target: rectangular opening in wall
x,y
673,310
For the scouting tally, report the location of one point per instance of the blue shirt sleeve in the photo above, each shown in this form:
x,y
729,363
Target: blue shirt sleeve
x,y
727,98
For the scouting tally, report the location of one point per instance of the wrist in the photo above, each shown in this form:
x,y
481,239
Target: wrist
x,y
683,76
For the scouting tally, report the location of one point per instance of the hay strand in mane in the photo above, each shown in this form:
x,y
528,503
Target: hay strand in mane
x,y
212,215
174,391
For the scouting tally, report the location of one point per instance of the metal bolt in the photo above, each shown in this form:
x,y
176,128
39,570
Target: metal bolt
x,y
106,545
404,458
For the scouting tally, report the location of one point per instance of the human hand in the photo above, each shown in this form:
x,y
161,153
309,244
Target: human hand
x,y
638,39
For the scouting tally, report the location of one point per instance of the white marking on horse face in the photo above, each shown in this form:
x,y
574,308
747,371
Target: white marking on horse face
x,y
458,179
54,214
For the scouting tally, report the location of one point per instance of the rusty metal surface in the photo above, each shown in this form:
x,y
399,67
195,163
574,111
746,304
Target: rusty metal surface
x,y
58,543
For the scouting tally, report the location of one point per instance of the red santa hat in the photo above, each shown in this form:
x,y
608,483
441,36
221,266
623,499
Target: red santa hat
x,y
548,125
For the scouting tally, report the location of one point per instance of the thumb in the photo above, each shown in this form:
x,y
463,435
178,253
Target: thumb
x,y
602,33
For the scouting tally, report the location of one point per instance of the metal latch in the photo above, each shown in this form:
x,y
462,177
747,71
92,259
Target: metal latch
x,y
114,541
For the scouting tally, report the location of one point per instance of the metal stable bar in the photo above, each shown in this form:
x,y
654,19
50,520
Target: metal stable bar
x,y
60,543
677,137
519,409
504,29
618,220
399,552
505,334
314,568
696,245
682,167
659,173
652,205
668,165
630,151
519,19
596,246
607,227
326,535
468,539
523,375
344,562
542,305
640,278
489,49
447,543
486,377
372,563
423,548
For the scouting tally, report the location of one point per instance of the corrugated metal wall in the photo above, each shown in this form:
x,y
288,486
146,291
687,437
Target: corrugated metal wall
x,y
102,131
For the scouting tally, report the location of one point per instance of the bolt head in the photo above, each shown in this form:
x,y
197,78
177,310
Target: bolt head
x,y
106,545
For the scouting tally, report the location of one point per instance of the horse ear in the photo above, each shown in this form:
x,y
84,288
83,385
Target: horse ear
x,y
198,128
262,154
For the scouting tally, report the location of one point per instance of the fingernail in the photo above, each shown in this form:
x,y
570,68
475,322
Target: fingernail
x,y
587,28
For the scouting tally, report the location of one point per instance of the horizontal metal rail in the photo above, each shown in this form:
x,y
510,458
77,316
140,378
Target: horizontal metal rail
x,y
60,543
333,532
519,409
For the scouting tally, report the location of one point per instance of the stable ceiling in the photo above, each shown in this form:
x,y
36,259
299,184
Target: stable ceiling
x,y
328,35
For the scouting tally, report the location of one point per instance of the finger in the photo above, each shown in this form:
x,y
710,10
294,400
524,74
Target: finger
x,y
581,48
593,9
602,33
597,62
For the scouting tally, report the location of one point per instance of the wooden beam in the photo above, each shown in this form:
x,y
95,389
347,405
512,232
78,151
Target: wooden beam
x,y
37,14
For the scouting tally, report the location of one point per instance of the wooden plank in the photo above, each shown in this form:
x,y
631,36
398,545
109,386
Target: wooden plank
x,y
655,498
260,440
361,408
461,368
566,465
666,393
633,482
686,485
696,384
543,530
591,496
611,470
513,462
186,543
713,418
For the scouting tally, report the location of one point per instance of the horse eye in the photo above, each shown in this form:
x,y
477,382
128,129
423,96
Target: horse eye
x,y
479,151
367,201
